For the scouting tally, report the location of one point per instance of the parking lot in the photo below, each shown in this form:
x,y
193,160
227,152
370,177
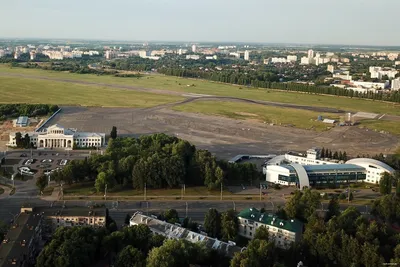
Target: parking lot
x,y
30,164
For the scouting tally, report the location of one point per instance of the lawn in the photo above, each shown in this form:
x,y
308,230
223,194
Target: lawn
x,y
181,85
25,90
88,189
392,127
281,116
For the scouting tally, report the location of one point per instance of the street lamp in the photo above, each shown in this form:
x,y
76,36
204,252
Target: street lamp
x,y
234,205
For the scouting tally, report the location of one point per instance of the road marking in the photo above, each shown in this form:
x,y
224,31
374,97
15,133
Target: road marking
x,y
381,116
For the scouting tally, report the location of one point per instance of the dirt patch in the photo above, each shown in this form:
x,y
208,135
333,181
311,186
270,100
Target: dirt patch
x,y
223,136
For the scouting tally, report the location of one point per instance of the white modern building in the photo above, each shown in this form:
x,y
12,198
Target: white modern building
x,y
278,60
305,170
194,48
57,136
305,61
283,232
374,168
194,57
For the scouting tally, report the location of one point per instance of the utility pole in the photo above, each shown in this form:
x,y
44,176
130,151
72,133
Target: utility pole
x,y
221,190
62,191
186,210
145,189
260,192
234,205
348,194
105,193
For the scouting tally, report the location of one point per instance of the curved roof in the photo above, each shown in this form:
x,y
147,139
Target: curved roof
x,y
371,161
302,174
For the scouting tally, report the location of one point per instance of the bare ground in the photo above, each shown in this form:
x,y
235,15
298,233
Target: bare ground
x,y
223,136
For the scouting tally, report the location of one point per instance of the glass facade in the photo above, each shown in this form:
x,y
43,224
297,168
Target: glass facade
x,y
325,178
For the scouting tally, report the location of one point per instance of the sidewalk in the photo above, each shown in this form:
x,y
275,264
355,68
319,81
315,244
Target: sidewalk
x,y
55,195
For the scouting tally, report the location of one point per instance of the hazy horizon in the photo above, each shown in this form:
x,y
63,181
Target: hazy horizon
x,y
312,22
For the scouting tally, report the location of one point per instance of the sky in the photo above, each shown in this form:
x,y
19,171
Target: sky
x,y
353,22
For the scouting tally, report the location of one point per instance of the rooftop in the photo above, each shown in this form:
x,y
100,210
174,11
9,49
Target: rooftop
x,y
327,168
22,120
177,232
271,219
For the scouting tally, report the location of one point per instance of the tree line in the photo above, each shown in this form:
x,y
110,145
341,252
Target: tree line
x,y
155,161
271,81
30,110
327,153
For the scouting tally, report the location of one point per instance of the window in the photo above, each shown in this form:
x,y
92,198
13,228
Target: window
x,y
251,233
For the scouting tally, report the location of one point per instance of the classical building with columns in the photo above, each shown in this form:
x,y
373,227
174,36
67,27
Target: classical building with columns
x,y
57,136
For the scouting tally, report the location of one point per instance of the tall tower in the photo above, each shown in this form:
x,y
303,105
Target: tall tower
x,y
194,48
246,55
310,54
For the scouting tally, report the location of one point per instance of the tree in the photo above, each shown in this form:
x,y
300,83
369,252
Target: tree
x,y
171,216
351,197
3,230
333,209
18,140
335,155
113,134
259,253
41,182
262,233
212,223
130,257
385,184
176,253
27,141
229,225
323,153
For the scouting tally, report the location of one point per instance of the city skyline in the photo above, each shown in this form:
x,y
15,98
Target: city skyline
x,y
309,22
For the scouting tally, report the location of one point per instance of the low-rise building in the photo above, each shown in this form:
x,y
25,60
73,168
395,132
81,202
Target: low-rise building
x,y
57,136
22,121
379,72
175,231
283,232
193,57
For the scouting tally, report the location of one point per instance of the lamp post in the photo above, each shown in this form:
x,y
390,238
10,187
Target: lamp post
x,y
221,190
234,205
145,189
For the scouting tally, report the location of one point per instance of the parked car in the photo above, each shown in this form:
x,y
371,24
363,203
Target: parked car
x,y
23,155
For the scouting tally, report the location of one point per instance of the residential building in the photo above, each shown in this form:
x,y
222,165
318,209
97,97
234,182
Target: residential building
x,y
246,55
17,54
110,54
310,55
291,58
396,63
392,56
278,60
395,84
144,54
194,57
2,53
211,57
57,136
283,232
331,68
379,72
175,231
32,55
25,238
194,48
305,61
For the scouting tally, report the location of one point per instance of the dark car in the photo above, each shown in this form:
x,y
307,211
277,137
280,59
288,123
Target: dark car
x,y
23,155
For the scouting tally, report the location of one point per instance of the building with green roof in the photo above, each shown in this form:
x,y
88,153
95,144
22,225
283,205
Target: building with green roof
x,y
284,232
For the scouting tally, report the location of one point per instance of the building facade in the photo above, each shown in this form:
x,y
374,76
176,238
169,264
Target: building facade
x,y
175,231
283,232
57,136
395,84
373,168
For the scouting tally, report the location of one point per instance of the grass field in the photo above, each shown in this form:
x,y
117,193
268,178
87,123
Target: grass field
x,y
23,90
392,127
22,86
282,116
